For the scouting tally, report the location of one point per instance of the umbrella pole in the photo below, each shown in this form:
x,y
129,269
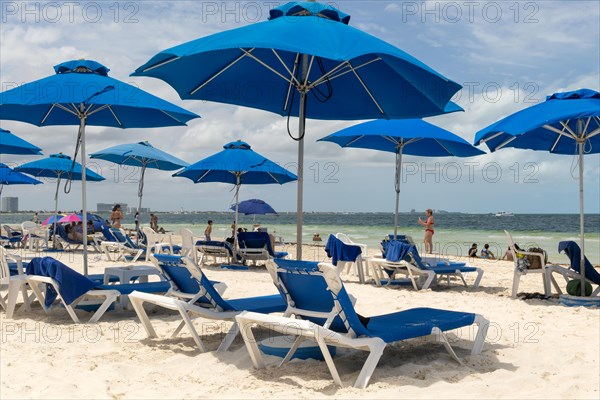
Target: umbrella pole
x,y
55,212
83,190
398,180
581,217
301,131
235,220
141,188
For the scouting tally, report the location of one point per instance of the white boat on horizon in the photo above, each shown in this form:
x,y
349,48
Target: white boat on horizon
x,y
504,214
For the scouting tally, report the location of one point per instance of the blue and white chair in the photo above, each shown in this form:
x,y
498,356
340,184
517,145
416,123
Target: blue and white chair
x,y
573,251
53,281
324,314
204,301
401,258
123,245
256,246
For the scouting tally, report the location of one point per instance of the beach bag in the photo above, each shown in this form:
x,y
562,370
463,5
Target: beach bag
x,y
574,288
534,261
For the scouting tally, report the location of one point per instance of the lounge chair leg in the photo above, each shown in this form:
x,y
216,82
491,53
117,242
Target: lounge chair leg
x,y
478,279
110,298
515,286
178,329
329,361
430,277
138,306
292,351
375,352
483,325
188,321
442,336
250,342
229,337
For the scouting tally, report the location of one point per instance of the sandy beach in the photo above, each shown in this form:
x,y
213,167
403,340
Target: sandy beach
x,y
534,349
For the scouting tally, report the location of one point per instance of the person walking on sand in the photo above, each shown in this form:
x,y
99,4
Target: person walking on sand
x,y
116,216
428,224
208,230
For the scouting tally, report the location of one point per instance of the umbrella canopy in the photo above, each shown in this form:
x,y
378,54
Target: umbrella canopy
x,y
566,123
8,176
403,136
81,93
143,155
59,166
12,144
239,165
305,48
254,207
52,219
69,218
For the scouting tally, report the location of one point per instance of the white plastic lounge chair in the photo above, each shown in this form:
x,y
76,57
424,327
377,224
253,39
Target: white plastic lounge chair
x,y
188,244
14,282
573,251
214,249
421,274
34,236
345,254
324,314
123,245
73,287
13,236
156,243
520,271
364,253
207,304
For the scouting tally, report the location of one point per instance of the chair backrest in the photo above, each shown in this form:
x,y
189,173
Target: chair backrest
x,y
4,268
29,226
187,238
315,296
573,251
513,248
344,238
108,235
151,235
119,235
175,271
211,293
10,231
255,240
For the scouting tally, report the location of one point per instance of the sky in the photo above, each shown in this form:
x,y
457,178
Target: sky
x,y
506,55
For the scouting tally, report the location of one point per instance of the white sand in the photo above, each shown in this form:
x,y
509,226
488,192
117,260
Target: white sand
x,y
535,349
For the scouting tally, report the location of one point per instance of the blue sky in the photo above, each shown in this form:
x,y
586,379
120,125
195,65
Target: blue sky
x,y
507,56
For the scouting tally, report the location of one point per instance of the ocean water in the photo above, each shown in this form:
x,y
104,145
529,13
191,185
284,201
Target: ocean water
x,y
454,232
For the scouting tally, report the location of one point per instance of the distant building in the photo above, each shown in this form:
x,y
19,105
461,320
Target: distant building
x,y
143,210
107,207
10,204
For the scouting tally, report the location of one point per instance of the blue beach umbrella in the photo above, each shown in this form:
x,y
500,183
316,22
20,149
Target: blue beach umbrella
x,y
59,166
239,165
81,93
254,207
8,176
403,136
306,61
143,155
566,123
12,144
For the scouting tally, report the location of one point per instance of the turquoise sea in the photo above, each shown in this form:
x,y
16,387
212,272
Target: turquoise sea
x,y
454,232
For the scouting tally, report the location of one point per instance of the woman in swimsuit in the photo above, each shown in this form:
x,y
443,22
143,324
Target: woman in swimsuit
x,y
428,224
116,216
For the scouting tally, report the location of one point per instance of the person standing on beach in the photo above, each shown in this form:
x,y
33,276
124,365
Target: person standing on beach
x,y
428,224
208,230
36,218
116,216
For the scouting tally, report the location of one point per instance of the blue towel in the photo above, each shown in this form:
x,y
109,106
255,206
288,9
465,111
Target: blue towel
x,y
395,250
71,284
573,251
340,251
